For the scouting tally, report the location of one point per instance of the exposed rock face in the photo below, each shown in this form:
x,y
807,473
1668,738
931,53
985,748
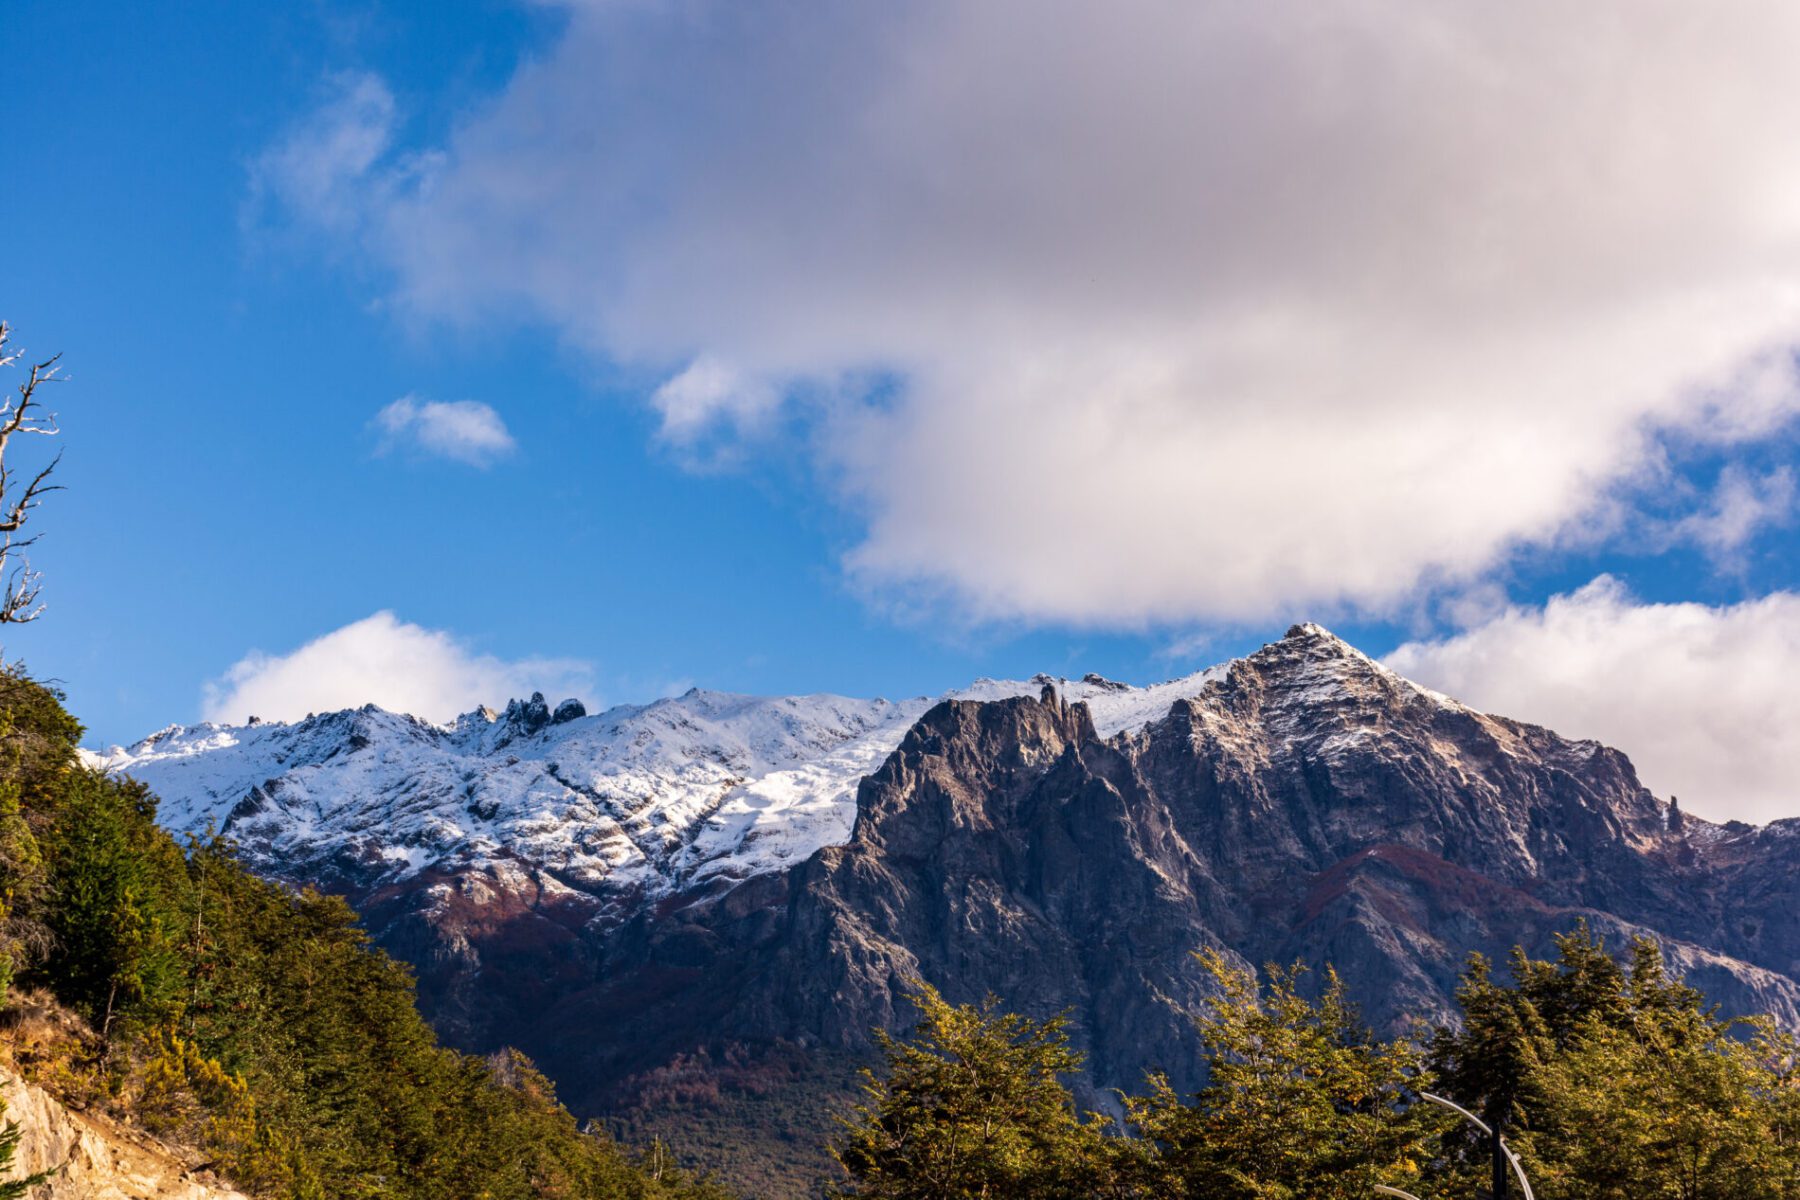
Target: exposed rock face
x,y
480,850
98,1160
1303,804
1309,806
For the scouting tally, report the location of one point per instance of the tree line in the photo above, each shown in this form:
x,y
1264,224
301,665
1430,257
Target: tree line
x,y
1611,1080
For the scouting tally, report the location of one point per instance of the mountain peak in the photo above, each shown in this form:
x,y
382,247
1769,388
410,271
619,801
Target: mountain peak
x,y
1308,647
1322,686
1312,631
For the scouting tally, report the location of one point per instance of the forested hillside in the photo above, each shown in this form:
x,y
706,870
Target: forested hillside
x,y
167,985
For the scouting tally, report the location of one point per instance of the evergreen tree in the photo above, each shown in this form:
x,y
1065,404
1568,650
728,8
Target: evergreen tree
x,y
1618,1081
114,908
1494,1062
1301,1101
1489,1066
973,1105
1660,1097
22,877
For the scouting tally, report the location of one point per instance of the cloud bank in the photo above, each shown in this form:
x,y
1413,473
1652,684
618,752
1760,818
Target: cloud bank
x,y
1142,312
464,431
1701,698
389,662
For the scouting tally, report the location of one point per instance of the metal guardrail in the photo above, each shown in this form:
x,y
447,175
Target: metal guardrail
x,y
1511,1158
1385,1190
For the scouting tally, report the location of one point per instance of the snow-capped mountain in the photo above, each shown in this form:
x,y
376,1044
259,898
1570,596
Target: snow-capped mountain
x,y
716,888
636,801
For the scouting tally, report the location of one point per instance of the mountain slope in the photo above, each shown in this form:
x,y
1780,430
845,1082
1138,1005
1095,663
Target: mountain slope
x,y
167,990
1066,849
1309,805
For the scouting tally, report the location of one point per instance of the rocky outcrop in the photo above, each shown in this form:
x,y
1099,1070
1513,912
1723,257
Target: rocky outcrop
x,y
476,849
94,1159
1309,806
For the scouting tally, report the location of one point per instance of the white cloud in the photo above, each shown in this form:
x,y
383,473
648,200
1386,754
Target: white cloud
x,y
1180,311
385,661
464,430
324,170
708,394
1701,698
1742,505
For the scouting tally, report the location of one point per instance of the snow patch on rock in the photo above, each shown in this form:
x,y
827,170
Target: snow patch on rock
x,y
642,799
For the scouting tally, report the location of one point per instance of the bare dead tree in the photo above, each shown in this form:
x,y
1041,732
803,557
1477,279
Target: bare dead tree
x,y
22,412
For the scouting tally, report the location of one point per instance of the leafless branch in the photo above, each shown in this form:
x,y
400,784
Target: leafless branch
x,y
22,412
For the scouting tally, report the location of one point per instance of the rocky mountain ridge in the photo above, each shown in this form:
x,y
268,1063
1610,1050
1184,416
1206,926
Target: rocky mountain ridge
x,y
1309,805
1068,849
635,802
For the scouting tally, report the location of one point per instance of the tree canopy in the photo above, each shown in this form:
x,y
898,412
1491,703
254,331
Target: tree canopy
x,y
1611,1078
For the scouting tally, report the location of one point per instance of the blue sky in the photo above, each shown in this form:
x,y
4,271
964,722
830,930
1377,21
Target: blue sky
x,y
806,386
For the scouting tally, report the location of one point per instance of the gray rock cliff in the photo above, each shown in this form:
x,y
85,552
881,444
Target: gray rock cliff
x,y
1310,806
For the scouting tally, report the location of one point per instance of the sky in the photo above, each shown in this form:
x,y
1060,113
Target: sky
x,y
431,355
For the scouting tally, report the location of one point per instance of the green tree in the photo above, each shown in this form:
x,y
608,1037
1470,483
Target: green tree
x,y
1493,1061
115,919
23,872
1301,1100
1657,1096
1617,1080
1489,1064
973,1105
